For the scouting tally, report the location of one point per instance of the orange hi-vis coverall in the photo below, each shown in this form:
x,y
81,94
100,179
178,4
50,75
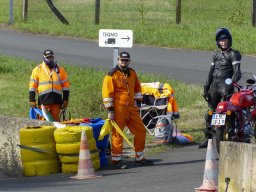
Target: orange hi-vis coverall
x,y
50,85
120,91
162,90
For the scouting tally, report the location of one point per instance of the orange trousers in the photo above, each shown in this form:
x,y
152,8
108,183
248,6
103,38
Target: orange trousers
x,y
127,116
54,109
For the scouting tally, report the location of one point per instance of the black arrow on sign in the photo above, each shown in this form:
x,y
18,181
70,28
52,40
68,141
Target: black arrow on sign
x,y
128,38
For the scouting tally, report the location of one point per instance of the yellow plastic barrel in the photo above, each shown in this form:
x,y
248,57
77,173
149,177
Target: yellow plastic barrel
x,y
38,151
68,142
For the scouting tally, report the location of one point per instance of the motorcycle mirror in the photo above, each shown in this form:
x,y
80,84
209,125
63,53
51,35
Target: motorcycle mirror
x,y
250,81
228,81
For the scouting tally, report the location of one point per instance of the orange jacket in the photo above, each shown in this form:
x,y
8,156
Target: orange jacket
x,y
49,84
161,90
121,89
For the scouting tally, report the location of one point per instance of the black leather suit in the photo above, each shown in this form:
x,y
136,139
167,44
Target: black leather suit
x,y
224,65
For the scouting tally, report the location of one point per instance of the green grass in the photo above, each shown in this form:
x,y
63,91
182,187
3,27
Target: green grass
x,y
153,23
85,93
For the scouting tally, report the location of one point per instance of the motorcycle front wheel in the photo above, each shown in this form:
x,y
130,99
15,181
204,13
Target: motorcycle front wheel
x,y
221,134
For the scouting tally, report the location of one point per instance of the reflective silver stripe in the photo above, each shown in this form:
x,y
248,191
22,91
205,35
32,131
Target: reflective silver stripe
x,y
235,62
107,99
176,113
63,81
115,154
138,95
107,105
212,63
50,83
116,158
49,91
139,156
32,89
46,71
33,80
65,88
139,153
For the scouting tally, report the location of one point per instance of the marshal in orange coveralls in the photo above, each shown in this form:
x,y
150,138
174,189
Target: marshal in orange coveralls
x,y
121,93
50,82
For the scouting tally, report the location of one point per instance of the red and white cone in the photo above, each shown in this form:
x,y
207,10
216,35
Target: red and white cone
x,y
210,181
85,167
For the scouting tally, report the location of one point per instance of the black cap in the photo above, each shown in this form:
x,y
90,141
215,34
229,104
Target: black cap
x,y
124,55
48,53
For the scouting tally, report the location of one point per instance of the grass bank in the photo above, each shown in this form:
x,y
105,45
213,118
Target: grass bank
x,y
85,93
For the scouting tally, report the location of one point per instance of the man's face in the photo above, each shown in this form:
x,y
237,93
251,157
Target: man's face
x,y
50,58
223,44
123,63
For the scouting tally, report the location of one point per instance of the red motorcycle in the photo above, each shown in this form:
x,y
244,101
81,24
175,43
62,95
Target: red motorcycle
x,y
234,119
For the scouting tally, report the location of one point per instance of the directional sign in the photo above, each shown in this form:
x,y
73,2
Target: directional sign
x,y
115,38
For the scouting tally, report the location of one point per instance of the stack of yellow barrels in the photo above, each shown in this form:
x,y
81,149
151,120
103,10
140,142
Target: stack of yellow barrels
x,y
68,142
38,151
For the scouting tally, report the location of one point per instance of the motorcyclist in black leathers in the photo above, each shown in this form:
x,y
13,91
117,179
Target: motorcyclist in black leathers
x,y
225,64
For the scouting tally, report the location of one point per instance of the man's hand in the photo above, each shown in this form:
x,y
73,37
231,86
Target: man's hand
x,y
111,115
32,104
206,94
64,104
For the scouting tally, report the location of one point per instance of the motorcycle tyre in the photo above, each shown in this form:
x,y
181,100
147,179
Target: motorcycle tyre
x,y
219,136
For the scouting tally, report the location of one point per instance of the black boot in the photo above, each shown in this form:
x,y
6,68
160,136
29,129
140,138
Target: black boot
x,y
203,144
207,132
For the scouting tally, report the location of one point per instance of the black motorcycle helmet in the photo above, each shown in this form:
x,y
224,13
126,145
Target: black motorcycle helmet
x,y
223,33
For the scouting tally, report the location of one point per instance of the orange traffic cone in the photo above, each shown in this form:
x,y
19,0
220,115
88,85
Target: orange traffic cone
x,y
85,167
210,171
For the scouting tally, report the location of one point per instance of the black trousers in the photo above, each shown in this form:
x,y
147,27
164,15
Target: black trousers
x,y
218,92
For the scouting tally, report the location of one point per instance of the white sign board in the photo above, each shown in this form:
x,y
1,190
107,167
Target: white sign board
x,y
115,38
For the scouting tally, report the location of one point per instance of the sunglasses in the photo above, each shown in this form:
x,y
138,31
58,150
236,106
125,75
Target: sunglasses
x,y
123,60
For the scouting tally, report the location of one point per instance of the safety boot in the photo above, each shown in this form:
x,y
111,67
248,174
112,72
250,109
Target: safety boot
x,y
120,165
203,144
143,162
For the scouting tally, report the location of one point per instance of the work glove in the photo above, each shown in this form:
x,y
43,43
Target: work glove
x,y
111,115
176,115
64,104
32,104
206,94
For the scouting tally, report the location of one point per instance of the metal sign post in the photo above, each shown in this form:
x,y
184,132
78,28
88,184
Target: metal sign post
x,y
115,38
115,56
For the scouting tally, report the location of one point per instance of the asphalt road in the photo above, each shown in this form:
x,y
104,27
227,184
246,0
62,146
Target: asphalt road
x,y
185,65
179,170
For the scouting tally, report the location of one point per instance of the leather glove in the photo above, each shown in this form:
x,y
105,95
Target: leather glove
x,y
64,104
111,115
32,104
206,94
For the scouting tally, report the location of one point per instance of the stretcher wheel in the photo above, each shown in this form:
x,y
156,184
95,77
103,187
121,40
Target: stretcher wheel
x,y
37,135
72,134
